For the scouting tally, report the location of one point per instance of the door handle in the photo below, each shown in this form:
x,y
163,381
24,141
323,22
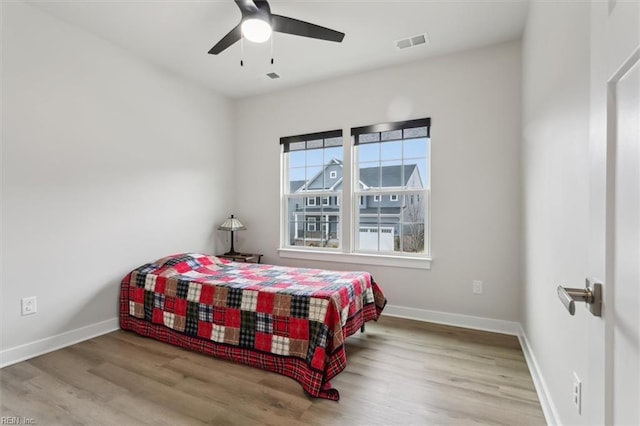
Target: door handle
x,y
591,295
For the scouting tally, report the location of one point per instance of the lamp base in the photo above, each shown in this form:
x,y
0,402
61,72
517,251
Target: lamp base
x,y
231,251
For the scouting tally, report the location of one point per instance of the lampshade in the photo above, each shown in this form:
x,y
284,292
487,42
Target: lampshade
x,y
232,224
256,30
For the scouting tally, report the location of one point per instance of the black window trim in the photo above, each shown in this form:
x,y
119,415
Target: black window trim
x,y
288,140
385,127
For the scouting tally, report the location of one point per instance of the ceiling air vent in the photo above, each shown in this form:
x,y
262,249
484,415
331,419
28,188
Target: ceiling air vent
x,y
273,75
412,41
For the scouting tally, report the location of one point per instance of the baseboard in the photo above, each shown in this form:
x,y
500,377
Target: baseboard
x,y
548,407
49,344
458,320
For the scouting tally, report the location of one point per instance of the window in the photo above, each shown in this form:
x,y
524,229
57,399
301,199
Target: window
x,y
389,192
307,190
392,159
311,223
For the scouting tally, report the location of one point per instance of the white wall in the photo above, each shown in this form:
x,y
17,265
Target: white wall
x,y
108,162
556,189
474,101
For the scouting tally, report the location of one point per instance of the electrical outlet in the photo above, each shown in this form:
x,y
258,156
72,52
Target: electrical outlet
x,y
29,305
477,287
577,393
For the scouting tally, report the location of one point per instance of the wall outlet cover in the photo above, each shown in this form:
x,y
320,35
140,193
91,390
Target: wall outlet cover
x,y
29,305
577,393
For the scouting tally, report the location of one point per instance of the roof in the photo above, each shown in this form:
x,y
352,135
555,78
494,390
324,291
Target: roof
x,y
369,177
294,185
391,175
375,210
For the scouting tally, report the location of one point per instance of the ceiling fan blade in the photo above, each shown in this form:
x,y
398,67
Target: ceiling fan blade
x,y
250,7
283,24
231,37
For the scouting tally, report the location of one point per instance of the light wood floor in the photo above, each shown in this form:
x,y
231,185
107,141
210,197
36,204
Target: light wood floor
x,y
398,372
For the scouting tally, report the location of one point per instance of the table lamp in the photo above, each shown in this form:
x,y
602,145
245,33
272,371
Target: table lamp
x,y
232,224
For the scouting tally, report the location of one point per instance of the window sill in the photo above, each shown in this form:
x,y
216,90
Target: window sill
x,y
357,258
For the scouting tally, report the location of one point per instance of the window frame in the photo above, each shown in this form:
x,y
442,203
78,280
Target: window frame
x,y
318,197
374,135
347,222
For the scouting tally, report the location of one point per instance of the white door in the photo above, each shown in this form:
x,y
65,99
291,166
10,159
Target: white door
x,y
624,334
615,89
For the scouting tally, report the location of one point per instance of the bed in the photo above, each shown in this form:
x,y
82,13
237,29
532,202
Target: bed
x,y
292,321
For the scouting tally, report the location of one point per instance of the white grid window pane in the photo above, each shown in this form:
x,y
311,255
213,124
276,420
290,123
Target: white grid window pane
x,y
392,176
390,186
313,171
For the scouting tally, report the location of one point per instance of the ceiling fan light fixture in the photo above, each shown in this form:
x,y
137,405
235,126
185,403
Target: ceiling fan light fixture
x,y
256,30
257,24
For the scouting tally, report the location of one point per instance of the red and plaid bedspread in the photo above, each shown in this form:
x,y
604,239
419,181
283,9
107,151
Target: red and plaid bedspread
x,y
291,321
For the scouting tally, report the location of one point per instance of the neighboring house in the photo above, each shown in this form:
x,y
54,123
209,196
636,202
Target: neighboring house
x,y
315,219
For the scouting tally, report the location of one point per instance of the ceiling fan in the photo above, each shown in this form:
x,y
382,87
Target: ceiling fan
x,y
257,24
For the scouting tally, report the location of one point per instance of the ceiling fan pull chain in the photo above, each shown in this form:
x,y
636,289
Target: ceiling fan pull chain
x,y
241,51
271,49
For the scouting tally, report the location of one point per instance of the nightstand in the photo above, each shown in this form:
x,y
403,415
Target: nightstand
x,y
242,257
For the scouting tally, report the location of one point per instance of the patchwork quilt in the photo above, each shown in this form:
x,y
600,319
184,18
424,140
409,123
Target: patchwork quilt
x,y
292,321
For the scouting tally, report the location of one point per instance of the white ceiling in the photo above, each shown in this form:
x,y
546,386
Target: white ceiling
x,y
177,34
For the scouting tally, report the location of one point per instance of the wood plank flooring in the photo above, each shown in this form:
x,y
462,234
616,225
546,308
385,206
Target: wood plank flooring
x,y
399,372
